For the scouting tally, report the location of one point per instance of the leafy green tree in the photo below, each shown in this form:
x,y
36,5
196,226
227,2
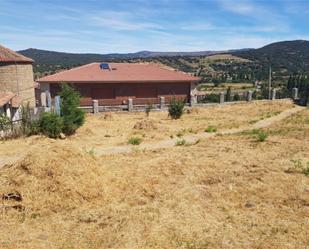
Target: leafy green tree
x,y
176,108
73,117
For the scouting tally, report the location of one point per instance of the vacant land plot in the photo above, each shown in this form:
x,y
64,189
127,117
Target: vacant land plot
x,y
229,191
115,129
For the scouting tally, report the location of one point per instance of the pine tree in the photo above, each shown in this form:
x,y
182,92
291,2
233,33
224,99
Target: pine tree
x,y
73,117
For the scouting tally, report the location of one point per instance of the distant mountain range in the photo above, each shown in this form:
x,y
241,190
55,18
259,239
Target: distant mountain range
x,y
56,58
285,58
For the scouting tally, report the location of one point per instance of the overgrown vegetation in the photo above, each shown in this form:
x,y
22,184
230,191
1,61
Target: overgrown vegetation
x,y
73,117
135,140
51,124
176,108
5,122
300,167
211,128
258,134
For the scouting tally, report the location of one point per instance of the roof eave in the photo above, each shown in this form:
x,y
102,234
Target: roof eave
x,y
125,81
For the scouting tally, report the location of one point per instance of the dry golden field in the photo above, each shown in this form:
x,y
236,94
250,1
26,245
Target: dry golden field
x,y
226,191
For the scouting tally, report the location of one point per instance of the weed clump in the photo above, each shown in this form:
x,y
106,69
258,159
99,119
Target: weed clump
x,y
181,142
258,134
135,140
211,129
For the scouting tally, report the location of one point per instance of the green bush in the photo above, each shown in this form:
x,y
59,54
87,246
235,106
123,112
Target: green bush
x,y
51,125
181,142
5,122
211,129
135,140
236,97
73,117
176,108
211,98
34,128
261,136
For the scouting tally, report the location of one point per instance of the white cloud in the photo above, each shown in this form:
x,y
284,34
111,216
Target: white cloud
x,y
120,21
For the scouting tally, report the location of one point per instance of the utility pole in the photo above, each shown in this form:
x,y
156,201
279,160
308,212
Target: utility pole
x,y
269,84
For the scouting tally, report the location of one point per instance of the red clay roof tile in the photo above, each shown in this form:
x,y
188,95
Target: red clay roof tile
x,y
6,97
8,55
118,73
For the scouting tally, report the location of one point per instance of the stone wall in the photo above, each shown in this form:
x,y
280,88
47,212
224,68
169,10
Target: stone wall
x,y
18,79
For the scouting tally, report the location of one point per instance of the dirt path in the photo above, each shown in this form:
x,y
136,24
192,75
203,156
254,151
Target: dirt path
x,y
191,139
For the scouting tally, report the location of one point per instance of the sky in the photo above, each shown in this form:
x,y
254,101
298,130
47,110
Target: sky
x,y
122,26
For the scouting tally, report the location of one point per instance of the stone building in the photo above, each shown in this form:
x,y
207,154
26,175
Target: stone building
x,y
16,75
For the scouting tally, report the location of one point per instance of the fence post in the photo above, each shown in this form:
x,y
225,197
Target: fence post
x,y
295,93
273,94
43,99
95,106
130,105
48,97
193,100
162,102
57,104
249,96
221,97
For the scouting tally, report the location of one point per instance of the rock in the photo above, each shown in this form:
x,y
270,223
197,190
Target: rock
x,y
62,136
249,205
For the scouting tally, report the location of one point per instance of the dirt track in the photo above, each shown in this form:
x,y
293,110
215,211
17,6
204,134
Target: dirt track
x,y
194,138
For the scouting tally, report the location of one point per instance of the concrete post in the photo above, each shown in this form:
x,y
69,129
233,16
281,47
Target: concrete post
x,y
273,94
221,97
295,93
162,102
130,105
95,106
57,105
43,99
48,99
249,96
193,100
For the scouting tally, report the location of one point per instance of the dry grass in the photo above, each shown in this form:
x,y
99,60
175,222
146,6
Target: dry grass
x,y
226,192
225,57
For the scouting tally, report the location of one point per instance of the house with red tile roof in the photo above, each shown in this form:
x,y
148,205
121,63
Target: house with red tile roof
x,y
115,83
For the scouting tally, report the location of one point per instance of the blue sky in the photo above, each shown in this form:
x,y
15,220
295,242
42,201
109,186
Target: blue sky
x,y
106,26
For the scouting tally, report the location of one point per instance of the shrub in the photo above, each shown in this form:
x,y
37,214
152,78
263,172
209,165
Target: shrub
x,y
211,98
148,109
51,124
135,140
34,128
236,97
261,136
180,142
211,129
5,122
73,117
176,108
26,120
